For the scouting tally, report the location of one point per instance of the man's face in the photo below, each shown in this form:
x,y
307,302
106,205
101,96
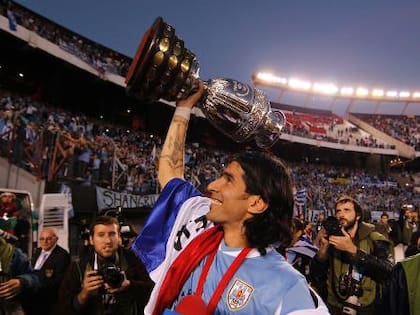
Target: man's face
x,y
7,198
47,239
105,239
229,197
407,214
346,214
384,219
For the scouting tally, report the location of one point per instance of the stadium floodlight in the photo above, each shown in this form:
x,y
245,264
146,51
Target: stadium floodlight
x,y
325,88
299,84
347,91
378,93
391,93
362,92
270,78
290,83
404,94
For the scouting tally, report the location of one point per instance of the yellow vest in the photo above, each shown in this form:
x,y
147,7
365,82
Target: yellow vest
x,y
339,267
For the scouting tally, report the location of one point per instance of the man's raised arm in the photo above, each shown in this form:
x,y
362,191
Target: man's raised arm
x,y
171,161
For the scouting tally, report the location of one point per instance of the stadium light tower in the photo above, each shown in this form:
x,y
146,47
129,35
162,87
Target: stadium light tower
x,y
362,93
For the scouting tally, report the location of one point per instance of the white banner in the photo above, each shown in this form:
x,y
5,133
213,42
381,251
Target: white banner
x,y
106,198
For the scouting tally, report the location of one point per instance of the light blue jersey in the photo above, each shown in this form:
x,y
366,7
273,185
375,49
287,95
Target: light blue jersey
x,y
262,285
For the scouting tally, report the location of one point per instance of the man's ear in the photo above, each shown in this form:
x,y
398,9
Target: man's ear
x,y
90,240
256,204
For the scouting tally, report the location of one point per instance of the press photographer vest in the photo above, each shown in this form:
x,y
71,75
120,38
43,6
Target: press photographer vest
x,y
371,289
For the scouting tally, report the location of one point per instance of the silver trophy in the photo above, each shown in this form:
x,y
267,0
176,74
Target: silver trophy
x,y
164,69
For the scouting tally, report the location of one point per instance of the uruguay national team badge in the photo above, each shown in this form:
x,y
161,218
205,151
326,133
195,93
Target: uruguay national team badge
x,y
239,295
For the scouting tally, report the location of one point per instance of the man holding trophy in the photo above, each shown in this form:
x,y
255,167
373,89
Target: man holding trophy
x,y
215,254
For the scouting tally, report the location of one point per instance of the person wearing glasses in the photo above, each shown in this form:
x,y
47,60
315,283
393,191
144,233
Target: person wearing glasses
x,y
50,261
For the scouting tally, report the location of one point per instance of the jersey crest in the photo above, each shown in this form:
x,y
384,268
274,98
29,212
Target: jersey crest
x,y
239,295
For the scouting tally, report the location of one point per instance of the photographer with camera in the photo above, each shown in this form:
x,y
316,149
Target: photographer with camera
x,y
107,280
353,262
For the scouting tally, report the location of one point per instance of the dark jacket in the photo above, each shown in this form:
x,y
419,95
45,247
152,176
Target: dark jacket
x,y
401,296
16,264
130,301
371,260
50,275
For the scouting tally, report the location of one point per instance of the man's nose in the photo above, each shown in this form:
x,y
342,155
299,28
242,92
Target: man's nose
x,y
213,186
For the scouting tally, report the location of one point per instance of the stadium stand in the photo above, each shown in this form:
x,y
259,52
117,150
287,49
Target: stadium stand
x,y
67,121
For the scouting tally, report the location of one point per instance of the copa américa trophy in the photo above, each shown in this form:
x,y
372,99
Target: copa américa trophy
x,y
163,68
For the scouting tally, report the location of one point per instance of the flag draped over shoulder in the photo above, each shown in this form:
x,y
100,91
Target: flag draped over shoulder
x,y
150,245
177,218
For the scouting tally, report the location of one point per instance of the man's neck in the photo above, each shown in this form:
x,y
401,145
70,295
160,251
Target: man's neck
x,y
352,231
235,237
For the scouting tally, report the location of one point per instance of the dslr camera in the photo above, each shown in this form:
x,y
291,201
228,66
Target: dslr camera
x,y
111,274
332,226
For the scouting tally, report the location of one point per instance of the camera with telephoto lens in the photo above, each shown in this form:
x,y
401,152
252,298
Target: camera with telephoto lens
x,y
111,274
332,226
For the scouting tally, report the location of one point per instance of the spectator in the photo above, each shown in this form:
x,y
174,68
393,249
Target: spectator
x,y
407,224
414,245
383,226
301,251
50,261
16,278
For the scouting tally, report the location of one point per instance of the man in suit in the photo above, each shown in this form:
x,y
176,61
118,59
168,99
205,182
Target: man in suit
x,y
50,261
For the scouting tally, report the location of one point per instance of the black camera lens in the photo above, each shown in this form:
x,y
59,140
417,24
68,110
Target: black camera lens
x,y
332,226
111,274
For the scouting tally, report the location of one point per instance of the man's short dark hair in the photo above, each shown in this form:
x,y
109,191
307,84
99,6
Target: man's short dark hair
x,y
103,220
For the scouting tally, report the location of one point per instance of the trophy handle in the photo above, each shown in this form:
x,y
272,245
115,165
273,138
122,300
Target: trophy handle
x,y
270,130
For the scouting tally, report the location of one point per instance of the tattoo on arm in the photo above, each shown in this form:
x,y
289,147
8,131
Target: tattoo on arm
x,y
174,150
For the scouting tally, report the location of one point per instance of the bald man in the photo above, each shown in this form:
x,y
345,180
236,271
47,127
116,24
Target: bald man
x,y
50,261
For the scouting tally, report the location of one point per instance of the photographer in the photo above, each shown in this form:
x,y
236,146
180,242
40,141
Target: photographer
x,y
108,280
352,263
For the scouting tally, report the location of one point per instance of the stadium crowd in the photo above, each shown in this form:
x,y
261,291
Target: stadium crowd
x,y
92,149
403,128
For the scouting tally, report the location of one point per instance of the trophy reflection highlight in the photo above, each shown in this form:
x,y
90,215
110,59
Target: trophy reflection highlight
x,y
164,69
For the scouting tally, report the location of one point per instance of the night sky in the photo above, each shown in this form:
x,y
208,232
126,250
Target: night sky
x,y
372,43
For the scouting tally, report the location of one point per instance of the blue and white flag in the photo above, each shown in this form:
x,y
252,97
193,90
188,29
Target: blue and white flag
x,y
300,197
177,217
